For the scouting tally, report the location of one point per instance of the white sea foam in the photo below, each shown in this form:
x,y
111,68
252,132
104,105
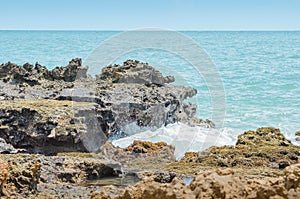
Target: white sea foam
x,y
184,138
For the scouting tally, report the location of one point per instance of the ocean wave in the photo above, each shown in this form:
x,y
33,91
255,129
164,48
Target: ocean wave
x,y
184,138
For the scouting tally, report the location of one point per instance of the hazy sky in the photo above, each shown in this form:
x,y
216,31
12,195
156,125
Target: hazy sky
x,y
132,14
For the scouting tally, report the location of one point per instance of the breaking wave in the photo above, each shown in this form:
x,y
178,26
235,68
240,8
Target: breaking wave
x,y
184,138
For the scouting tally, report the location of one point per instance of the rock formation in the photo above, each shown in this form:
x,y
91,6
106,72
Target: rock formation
x,y
65,109
219,183
265,147
51,121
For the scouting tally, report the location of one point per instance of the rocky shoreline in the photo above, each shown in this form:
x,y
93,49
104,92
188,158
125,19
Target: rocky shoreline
x,y
56,126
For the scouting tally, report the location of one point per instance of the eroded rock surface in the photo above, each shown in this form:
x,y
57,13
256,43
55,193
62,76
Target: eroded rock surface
x,y
140,156
38,176
50,126
219,183
34,75
65,109
265,147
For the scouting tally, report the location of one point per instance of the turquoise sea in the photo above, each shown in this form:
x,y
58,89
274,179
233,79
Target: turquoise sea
x,y
260,70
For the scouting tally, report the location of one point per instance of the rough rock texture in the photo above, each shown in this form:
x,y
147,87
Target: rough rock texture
x,y
71,173
145,147
4,171
19,176
41,107
265,147
219,183
38,176
34,75
7,148
134,72
263,137
141,156
51,126
55,112
148,188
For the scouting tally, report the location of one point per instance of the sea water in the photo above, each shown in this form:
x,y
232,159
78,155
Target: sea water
x,y
260,71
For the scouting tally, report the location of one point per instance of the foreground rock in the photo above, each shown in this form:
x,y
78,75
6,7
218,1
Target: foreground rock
x,y
220,183
263,164
82,174
65,109
140,157
265,147
38,176
78,174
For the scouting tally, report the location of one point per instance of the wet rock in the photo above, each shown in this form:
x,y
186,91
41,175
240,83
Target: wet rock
x,y
194,121
164,177
263,136
135,159
283,164
220,183
260,148
145,147
132,94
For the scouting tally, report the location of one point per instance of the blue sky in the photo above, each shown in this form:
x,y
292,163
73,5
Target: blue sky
x,y
132,14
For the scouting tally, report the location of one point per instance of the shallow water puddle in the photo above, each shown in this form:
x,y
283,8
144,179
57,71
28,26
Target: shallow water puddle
x,y
116,181
187,180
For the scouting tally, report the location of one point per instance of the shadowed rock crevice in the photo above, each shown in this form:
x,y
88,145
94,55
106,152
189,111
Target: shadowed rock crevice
x,y
65,109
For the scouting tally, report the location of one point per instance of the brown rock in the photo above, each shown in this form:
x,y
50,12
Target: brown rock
x,y
220,183
145,147
265,147
151,189
262,137
4,172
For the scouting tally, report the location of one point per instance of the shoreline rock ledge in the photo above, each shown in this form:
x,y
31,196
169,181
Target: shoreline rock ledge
x,y
65,109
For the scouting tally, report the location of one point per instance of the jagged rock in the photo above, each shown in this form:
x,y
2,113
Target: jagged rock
x,y
145,147
261,148
194,121
148,188
263,137
30,75
39,176
125,102
164,177
19,176
134,72
219,183
153,156
142,96
4,172
51,126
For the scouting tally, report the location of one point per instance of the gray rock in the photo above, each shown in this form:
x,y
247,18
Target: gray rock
x,y
30,75
8,148
133,93
164,177
134,72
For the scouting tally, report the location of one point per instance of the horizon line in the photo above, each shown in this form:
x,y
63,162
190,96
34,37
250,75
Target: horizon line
x,y
200,30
